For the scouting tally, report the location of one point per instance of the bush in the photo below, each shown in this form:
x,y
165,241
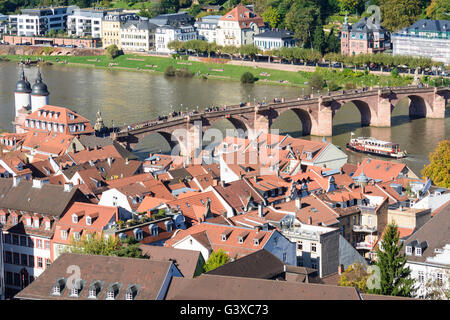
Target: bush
x,y
333,85
316,82
350,85
247,77
113,51
184,73
170,71
394,73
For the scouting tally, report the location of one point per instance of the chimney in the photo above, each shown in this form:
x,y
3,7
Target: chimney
x,y
222,183
214,182
37,183
298,203
109,161
258,228
340,269
16,181
260,210
126,161
68,187
309,220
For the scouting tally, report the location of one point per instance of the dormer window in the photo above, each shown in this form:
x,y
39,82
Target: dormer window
x,y
64,234
15,219
36,223
256,242
409,250
131,292
74,218
418,251
88,220
169,226
138,234
112,292
58,287
154,230
28,222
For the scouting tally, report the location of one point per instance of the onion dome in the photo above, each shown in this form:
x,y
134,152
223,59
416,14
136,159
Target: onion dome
x,y
22,86
39,88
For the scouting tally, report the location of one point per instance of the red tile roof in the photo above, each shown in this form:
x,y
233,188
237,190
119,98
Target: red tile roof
x,y
380,169
244,16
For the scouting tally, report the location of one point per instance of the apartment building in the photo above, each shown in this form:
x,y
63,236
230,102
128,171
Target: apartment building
x,y
365,36
38,22
137,35
424,38
111,24
87,22
169,33
207,28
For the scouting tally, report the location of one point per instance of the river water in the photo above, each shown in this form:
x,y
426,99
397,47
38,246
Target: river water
x,y
127,97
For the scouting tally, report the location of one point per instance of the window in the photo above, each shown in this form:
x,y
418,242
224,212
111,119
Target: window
x,y
23,241
17,279
16,258
36,223
129,296
39,244
64,234
313,247
74,292
421,276
15,219
7,238
409,250
23,259
92,293
15,239
3,219
47,263
418,251
40,263
9,278
76,236
74,218
8,257
47,245
88,221
47,225
56,290
439,279
28,222
31,261
110,294
30,242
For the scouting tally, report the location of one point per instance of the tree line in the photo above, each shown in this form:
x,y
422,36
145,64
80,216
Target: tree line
x,y
303,55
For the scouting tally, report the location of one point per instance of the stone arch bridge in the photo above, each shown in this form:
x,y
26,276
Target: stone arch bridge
x,y
315,113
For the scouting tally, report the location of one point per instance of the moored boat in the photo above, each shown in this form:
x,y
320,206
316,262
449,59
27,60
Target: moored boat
x,y
377,147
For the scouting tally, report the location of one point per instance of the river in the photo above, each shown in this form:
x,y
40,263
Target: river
x,y
127,97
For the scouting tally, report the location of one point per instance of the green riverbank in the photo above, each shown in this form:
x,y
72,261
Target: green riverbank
x,y
222,71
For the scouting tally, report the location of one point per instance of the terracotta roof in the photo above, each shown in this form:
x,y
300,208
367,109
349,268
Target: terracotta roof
x,y
148,275
213,234
237,194
380,169
194,207
47,142
186,261
244,16
96,154
59,115
101,216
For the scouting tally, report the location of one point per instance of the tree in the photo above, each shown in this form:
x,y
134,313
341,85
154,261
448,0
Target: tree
x,y
111,246
397,14
319,41
130,248
333,42
95,244
394,277
438,10
439,168
113,51
272,16
215,260
355,276
247,77
301,18
316,82
349,5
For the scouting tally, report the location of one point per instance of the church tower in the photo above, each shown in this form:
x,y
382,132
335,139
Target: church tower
x,y
39,93
22,93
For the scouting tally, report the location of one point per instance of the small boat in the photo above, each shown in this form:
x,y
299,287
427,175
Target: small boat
x,y
373,146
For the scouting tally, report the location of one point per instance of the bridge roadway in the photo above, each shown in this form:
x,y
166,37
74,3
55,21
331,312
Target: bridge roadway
x,y
326,100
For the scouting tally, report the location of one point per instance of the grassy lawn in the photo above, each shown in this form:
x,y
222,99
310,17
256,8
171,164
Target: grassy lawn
x,y
222,71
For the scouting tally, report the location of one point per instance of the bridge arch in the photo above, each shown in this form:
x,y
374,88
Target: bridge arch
x,y
363,107
154,142
418,107
240,127
304,119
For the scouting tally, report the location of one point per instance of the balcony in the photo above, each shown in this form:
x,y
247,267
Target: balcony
x,y
367,229
363,246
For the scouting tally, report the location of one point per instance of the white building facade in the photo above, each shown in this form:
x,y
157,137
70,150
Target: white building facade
x,y
86,22
166,34
206,28
137,35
